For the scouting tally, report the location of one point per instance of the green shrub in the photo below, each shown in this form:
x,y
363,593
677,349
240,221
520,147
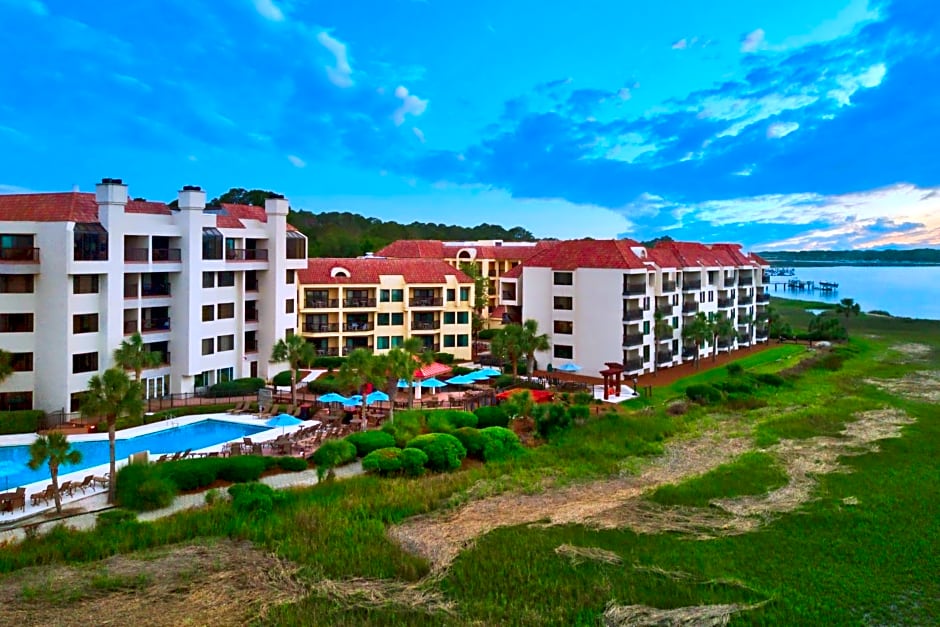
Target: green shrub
x,y
579,412
735,369
330,363
141,488
368,441
281,379
447,420
444,451
735,386
253,498
192,474
703,393
768,378
384,461
552,419
292,464
473,440
501,443
582,398
115,518
444,358
405,426
831,361
212,496
21,421
331,454
503,381
459,371
491,416
241,469
487,334
236,387
413,462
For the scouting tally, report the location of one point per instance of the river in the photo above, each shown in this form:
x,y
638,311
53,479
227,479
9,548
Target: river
x,y
907,291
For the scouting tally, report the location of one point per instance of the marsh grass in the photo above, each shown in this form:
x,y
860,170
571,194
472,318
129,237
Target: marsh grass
x,y
750,474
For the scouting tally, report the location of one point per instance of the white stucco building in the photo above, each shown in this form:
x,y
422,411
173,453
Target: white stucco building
x,y
599,300
210,288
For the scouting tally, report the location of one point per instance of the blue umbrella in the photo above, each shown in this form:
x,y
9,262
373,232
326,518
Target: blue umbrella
x,y
283,420
491,372
477,375
461,380
569,367
333,397
377,397
404,384
432,383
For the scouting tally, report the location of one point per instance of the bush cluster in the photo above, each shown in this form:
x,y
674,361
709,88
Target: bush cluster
x,y
281,379
394,461
406,426
703,393
256,499
324,385
369,441
501,443
448,420
773,380
444,358
473,441
331,454
487,334
329,363
552,419
236,387
444,451
491,416
21,421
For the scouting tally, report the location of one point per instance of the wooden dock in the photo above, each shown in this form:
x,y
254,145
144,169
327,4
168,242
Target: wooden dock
x,y
795,285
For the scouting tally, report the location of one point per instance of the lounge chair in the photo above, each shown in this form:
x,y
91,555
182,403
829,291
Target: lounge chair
x,y
85,484
18,499
45,496
102,481
234,449
66,488
186,453
239,408
162,459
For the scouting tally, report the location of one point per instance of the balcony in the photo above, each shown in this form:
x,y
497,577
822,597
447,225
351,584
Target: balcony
x,y
763,334
745,281
130,290
246,254
358,303
251,346
167,255
689,308
251,315
634,290
357,327
130,327
744,338
136,255
417,325
664,310
509,296
90,255
19,255
426,302
332,303
763,298
631,315
689,285
155,291
155,325
663,358
327,352
745,300
724,344
633,365
349,349
332,327
632,339
669,286
434,348
688,352
725,303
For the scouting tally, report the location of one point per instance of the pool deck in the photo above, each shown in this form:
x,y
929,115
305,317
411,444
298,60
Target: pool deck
x,y
96,498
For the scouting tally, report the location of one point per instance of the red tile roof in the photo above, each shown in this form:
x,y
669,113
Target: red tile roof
x,y
57,207
437,249
245,212
587,253
432,370
366,270
147,206
513,273
413,248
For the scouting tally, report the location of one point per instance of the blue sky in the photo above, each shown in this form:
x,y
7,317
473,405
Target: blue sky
x,y
799,124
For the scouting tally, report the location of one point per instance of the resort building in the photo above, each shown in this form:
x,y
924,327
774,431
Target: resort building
x,y
491,258
377,303
604,301
211,289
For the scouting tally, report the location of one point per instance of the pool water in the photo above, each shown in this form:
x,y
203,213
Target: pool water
x,y
14,472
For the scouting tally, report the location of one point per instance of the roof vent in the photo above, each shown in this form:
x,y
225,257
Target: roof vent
x,y
369,255
112,182
191,188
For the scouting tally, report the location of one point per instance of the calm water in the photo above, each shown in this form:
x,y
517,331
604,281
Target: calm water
x,y
13,470
912,292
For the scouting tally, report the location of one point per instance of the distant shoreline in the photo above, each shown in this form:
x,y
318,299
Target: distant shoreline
x,y
804,263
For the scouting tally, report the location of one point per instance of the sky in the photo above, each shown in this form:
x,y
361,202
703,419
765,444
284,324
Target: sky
x,y
780,125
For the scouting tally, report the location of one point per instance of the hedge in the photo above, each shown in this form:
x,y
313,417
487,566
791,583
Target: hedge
x,y
281,379
447,420
473,440
140,488
501,443
491,416
444,451
255,499
487,334
368,441
236,387
405,426
323,385
444,358
703,393
384,461
329,363
20,421
331,454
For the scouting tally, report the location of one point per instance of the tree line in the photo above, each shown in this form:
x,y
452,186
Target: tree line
x,y
862,257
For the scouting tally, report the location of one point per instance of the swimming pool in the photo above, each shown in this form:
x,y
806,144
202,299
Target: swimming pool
x,y
14,472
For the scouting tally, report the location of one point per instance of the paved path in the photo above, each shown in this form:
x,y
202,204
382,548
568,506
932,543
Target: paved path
x,y
98,502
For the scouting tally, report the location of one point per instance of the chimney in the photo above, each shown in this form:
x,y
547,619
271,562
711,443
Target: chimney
x,y
191,198
277,205
111,192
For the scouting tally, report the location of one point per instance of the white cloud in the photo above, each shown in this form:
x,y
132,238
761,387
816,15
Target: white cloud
x,y
410,105
849,84
192,158
14,189
682,44
418,133
340,73
781,129
268,10
624,93
753,41
296,161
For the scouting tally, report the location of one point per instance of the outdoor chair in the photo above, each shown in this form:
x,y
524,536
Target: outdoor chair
x,y
239,408
102,481
66,488
186,453
18,499
162,459
85,484
45,496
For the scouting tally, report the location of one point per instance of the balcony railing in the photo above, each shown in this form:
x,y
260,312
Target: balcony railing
x,y
426,302
349,349
358,303
246,254
327,352
434,348
136,255
632,339
724,344
689,307
633,314
152,325
130,327
762,334
90,255
19,255
763,298
689,285
324,327
745,281
745,300
664,310
633,365
724,303
669,286
688,352
251,316
167,254
634,290
155,290
357,326
251,347
663,358
417,325
130,291
744,338
331,303
509,296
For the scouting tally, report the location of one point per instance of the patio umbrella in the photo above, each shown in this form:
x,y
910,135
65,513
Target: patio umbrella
x,y
477,375
404,384
333,397
569,367
283,420
377,397
432,383
460,380
491,372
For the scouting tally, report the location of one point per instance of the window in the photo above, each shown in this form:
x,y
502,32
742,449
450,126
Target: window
x,y
398,296
85,284
450,317
289,306
296,245
202,379
208,279
21,362
226,279
398,319
675,323
84,362
463,317
381,319
226,311
382,342
225,343
463,340
16,323
91,242
85,323
211,243
16,284
75,401
208,313
384,296
224,374
451,296
397,340
290,277
208,346
564,327
464,294
562,351
288,333
450,341
565,303
646,327
564,278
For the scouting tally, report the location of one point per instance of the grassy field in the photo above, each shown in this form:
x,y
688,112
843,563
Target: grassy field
x,y
864,550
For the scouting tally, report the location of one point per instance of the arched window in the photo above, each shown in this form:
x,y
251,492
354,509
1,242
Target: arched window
x,y
339,272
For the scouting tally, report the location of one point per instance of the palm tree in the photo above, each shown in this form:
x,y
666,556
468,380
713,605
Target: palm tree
x,y
848,307
133,354
661,330
360,367
697,331
722,328
297,352
506,345
6,365
56,450
420,356
397,364
531,342
112,395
